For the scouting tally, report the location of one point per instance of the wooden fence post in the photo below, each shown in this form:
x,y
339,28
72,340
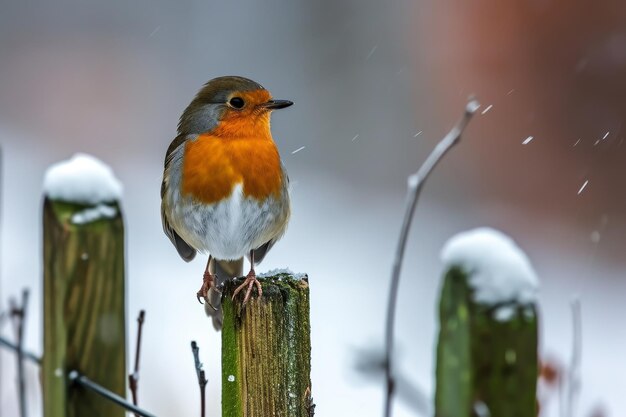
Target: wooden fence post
x,y
84,308
485,365
487,362
266,350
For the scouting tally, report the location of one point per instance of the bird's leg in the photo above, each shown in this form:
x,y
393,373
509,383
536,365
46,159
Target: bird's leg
x,y
250,282
207,282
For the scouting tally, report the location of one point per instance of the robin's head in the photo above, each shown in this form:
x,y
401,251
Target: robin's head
x,y
229,105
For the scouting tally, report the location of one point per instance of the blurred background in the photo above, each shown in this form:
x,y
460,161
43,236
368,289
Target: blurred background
x,y
376,84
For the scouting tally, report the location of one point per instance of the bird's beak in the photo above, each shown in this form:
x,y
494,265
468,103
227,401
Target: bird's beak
x,y
277,104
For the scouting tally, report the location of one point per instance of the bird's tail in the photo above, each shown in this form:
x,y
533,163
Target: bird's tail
x,y
222,270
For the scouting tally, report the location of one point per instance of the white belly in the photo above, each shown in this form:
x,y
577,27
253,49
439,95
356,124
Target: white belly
x,y
232,227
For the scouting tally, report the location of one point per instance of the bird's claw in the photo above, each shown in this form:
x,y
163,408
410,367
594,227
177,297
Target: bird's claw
x,y
207,283
250,281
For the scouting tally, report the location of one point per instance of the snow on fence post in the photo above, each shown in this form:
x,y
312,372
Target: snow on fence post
x,y
487,349
266,349
83,274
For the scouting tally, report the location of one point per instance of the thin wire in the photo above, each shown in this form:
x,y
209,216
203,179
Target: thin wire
x,y
27,355
83,381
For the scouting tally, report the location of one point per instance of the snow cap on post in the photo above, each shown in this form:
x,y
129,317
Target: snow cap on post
x,y
82,179
487,346
498,270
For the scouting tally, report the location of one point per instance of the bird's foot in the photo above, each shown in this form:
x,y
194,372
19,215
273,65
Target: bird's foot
x,y
250,282
207,283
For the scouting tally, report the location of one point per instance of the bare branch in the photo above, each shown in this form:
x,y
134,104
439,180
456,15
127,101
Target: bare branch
x,y
415,184
18,314
133,378
3,316
202,381
573,374
370,363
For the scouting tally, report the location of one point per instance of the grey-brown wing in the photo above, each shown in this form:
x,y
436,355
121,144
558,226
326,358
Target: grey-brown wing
x,y
223,270
184,249
260,252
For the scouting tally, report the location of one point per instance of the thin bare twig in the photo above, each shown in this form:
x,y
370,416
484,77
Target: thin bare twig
x,y
133,378
573,374
18,314
3,315
202,381
370,363
415,184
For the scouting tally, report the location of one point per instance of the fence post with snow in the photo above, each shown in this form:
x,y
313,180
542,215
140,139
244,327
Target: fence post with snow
x,y
266,349
487,349
83,281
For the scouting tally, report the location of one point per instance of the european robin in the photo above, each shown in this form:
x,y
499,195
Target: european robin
x,y
225,189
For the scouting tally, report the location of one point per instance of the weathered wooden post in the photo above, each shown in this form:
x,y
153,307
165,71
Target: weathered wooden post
x,y
266,350
84,302
487,350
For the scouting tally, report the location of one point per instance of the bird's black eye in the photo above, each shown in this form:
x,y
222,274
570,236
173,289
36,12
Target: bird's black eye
x,y
236,102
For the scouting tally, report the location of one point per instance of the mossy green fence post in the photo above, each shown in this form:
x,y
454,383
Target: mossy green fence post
x,y
266,350
84,310
486,360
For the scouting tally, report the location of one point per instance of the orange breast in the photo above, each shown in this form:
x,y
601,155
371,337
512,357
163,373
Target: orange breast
x,y
213,165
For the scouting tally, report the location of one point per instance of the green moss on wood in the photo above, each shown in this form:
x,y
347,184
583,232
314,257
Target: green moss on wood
x,y
266,350
84,311
483,362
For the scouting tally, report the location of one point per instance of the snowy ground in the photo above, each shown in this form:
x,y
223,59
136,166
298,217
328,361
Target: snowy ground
x,y
374,84
343,235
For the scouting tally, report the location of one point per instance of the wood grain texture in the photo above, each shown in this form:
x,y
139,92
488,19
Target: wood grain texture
x,y
84,311
266,351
